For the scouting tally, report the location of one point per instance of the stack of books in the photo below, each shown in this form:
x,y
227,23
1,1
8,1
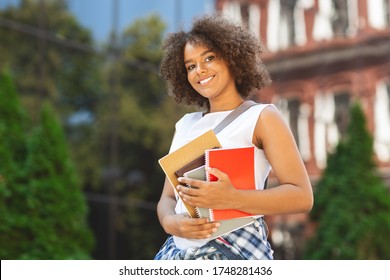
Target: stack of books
x,y
205,151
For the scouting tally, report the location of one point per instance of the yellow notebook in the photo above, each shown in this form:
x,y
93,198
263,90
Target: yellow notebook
x,y
184,155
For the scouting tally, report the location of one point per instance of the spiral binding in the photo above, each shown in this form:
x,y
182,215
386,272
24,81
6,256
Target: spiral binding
x,y
208,179
206,162
211,214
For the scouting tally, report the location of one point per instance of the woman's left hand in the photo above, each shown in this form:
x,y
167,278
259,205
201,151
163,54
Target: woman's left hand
x,y
218,194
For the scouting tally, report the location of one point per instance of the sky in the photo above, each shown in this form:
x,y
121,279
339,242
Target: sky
x,y
98,15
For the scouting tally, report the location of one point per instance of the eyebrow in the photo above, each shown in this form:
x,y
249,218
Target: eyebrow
x,y
202,54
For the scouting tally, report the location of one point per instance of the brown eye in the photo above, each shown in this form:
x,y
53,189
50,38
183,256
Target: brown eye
x,y
210,58
190,67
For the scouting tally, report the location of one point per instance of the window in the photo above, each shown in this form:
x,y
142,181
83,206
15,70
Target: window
x,y
386,11
287,22
254,20
247,14
382,121
340,18
342,101
286,25
244,9
378,13
293,109
322,29
297,114
233,9
331,120
336,18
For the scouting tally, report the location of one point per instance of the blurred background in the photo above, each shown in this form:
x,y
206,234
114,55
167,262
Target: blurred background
x,y
84,117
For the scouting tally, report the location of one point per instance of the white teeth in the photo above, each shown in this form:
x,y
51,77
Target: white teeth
x,y
202,82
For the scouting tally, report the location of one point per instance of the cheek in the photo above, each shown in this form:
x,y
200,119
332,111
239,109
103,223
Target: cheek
x,y
190,78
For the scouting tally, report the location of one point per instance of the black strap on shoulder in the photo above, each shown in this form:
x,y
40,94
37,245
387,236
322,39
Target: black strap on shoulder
x,y
233,115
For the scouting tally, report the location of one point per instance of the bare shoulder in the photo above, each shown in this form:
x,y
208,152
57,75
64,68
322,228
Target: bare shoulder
x,y
269,113
270,126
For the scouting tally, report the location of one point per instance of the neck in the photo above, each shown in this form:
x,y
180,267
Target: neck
x,y
225,105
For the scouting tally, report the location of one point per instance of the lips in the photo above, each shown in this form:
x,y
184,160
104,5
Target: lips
x,y
205,81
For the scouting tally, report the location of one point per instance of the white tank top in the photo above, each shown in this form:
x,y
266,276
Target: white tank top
x,y
236,134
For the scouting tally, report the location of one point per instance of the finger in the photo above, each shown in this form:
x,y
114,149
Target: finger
x,y
193,183
204,223
199,221
203,234
189,199
186,191
204,231
217,173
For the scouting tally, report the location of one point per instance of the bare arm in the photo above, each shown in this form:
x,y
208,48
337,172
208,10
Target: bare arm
x,y
293,195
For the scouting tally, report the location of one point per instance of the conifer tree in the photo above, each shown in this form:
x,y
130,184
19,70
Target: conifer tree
x,y
12,179
42,211
56,206
12,118
352,204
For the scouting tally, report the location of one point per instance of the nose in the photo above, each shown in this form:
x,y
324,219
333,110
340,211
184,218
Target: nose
x,y
200,68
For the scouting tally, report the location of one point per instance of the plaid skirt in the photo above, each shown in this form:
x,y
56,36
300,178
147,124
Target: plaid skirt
x,y
247,243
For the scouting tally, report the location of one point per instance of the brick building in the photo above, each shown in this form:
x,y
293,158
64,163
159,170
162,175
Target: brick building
x,y
322,55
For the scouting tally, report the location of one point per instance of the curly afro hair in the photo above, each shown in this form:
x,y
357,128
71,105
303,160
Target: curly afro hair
x,y
232,42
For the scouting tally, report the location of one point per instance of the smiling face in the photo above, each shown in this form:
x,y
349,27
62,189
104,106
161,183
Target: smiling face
x,y
208,73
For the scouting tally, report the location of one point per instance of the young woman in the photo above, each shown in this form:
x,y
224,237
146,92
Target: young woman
x,y
217,66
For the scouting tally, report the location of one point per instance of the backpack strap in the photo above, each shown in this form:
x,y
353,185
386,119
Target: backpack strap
x,y
233,115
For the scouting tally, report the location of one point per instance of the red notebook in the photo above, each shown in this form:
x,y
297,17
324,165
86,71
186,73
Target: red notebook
x,y
238,164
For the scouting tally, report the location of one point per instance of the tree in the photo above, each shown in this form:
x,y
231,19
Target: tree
x,y
44,43
55,61
43,211
12,152
13,122
56,203
352,204
128,117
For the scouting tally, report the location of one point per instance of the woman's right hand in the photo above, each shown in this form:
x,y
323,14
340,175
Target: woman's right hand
x,y
183,226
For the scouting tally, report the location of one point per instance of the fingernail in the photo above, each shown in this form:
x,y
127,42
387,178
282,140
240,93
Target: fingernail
x,y
180,179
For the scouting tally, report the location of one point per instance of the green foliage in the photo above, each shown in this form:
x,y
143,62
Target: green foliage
x,y
12,150
12,116
54,62
43,212
142,46
352,204
57,202
130,127
47,63
143,39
